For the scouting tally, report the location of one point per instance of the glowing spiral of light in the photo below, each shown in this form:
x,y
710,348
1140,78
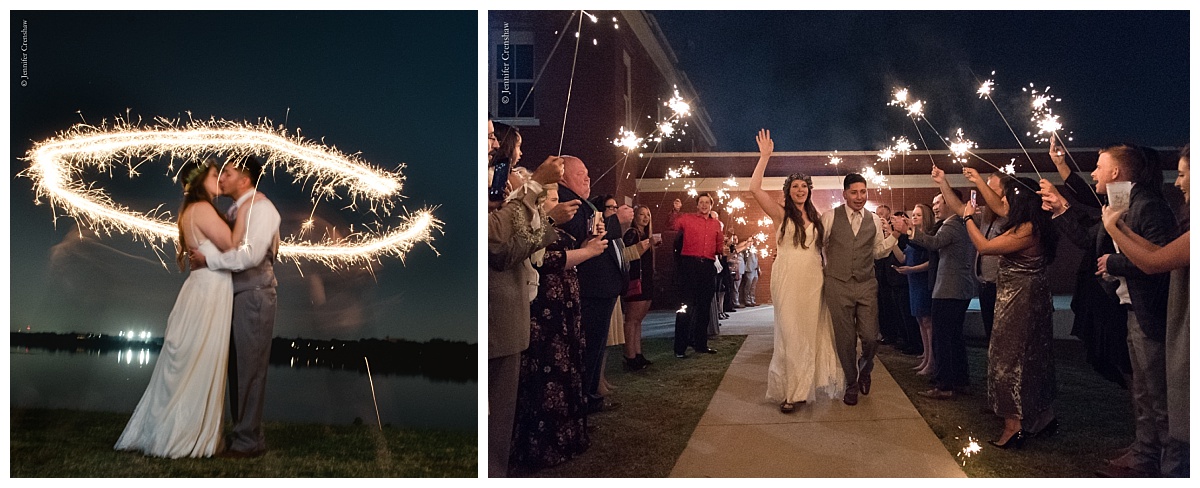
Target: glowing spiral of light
x,y
57,164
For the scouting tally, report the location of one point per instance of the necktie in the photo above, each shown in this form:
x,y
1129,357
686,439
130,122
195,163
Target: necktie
x,y
856,221
231,214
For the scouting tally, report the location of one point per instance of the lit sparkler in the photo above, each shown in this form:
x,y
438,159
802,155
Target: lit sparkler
x,y
878,179
740,220
731,182
735,204
679,107
902,146
985,89
1042,115
765,222
886,154
761,237
960,147
627,139
57,164
969,450
834,159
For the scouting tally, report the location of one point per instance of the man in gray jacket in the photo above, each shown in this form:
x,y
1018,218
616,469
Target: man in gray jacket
x,y
952,293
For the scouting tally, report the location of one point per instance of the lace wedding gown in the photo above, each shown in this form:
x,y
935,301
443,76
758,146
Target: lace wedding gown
x,y
804,364
181,411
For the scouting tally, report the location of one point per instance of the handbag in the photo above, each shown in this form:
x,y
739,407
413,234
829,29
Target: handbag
x,y
635,288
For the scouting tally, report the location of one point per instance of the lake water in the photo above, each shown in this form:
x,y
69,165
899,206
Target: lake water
x,y
115,381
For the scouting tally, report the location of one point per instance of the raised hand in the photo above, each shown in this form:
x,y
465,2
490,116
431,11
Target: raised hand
x,y
765,145
1056,151
968,209
1052,200
938,175
971,174
550,171
1111,217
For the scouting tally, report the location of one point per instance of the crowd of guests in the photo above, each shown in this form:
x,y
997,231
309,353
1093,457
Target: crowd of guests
x,y
570,275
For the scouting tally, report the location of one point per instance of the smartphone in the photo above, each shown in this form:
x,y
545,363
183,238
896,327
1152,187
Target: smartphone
x,y
973,193
594,222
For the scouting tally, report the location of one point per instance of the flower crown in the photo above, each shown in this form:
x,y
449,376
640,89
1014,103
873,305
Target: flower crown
x,y
193,175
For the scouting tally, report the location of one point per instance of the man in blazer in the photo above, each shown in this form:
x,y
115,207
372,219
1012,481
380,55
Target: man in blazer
x,y
515,231
953,289
601,279
1145,298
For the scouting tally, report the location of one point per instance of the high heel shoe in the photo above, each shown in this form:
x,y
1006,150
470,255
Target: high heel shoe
x,y
1049,430
1015,441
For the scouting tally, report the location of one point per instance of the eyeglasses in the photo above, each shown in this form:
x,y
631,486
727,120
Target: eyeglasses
x,y
610,207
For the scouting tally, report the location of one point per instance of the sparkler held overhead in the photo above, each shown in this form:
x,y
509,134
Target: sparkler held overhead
x,y
58,163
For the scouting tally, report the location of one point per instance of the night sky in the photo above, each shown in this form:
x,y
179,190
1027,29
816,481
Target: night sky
x,y
398,87
821,80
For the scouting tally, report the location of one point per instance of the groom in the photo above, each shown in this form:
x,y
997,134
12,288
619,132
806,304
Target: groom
x,y
853,241
254,302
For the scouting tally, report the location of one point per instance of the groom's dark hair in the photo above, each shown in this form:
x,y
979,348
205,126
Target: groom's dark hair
x,y
851,179
251,166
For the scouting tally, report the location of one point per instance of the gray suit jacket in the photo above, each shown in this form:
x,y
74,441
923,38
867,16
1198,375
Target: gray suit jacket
x,y
956,259
511,240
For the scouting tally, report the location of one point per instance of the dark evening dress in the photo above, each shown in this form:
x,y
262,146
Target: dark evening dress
x,y
1020,355
551,422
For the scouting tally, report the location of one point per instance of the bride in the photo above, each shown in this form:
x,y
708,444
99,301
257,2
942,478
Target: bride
x,y
181,411
804,363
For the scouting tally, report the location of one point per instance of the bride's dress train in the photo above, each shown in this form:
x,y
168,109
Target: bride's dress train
x,y
180,413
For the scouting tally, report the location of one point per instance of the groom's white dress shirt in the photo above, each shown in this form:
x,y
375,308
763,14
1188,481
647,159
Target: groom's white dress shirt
x,y
262,225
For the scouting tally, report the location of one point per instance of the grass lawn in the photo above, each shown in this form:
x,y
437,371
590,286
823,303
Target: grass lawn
x,y
660,407
1095,415
70,443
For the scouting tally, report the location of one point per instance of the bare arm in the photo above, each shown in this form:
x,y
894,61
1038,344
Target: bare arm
x,y
765,147
952,201
1147,256
1009,242
993,201
209,223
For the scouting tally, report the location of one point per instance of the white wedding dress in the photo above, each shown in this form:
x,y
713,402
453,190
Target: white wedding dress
x,y
804,364
180,413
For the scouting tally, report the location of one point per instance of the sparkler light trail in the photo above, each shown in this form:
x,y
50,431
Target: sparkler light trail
x,y
57,165
985,91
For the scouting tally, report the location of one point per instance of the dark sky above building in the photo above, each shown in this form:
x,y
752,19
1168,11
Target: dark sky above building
x,y
397,87
822,80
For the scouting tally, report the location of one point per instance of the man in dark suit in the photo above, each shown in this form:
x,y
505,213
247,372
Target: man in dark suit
x,y
601,279
1145,297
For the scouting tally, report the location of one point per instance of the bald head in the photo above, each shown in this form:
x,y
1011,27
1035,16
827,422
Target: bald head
x,y
575,176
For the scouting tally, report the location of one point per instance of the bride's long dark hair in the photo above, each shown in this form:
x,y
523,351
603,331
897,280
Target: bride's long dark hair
x,y
792,214
192,175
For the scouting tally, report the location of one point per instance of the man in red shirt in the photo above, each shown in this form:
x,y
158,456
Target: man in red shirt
x,y
702,241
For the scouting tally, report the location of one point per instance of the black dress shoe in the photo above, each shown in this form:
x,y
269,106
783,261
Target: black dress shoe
x,y
632,364
642,359
851,397
1016,441
864,384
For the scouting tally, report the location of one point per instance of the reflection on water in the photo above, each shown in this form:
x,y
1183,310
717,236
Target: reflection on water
x,y
114,381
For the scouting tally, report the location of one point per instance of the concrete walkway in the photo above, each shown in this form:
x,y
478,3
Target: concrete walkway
x,y
743,435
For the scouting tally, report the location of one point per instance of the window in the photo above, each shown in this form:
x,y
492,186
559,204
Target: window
x,y
511,72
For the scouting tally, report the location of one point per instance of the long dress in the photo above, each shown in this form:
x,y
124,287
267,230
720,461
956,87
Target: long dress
x,y
181,411
551,422
804,364
1020,354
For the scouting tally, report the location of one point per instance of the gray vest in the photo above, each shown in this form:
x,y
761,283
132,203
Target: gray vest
x,y
261,276
850,257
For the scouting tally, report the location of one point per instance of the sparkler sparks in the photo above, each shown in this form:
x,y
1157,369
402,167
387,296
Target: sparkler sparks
x,y
960,147
834,159
57,165
985,89
1042,115
878,179
735,204
765,222
679,107
760,237
902,146
627,139
970,449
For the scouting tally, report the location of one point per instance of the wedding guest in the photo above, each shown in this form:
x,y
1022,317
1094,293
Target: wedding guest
x,y
890,315
994,218
1152,452
920,291
641,289
701,243
1021,384
1099,318
750,276
503,159
616,329
601,279
551,423
1175,258
953,290
909,340
737,264
516,230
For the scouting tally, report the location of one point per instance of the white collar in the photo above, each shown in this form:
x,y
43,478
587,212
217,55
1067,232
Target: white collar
x,y
247,196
